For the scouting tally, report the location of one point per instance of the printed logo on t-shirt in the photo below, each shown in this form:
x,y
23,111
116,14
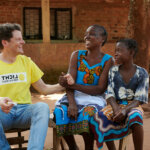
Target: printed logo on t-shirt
x,y
13,78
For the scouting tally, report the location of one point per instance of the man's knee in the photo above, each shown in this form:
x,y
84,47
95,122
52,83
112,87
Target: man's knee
x,y
41,107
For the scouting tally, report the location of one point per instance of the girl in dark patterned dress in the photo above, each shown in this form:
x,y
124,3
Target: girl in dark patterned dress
x,y
89,68
127,90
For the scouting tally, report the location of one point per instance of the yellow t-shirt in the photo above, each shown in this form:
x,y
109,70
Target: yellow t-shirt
x,y
16,79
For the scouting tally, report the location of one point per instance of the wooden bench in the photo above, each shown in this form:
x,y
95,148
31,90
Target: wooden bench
x,y
18,140
123,143
58,142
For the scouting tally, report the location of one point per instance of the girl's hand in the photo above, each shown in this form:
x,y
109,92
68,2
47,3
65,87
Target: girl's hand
x,y
116,109
120,116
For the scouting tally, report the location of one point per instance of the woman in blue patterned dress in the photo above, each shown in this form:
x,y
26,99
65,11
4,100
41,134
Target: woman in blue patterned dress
x,y
127,90
89,68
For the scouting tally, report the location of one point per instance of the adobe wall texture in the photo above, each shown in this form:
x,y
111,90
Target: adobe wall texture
x,y
113,16
53,58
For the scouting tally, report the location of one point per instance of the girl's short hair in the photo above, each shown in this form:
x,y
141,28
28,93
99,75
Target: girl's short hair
x,y
131,44
102,31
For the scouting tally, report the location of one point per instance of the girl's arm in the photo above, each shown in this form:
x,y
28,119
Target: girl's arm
x,y
133,104
110,96
114,105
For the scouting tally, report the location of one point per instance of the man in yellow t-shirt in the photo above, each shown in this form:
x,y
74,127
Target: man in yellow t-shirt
x,y
17,74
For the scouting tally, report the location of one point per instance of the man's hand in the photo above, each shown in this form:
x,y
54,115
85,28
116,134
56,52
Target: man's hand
x,y
70,79
5,105
73,111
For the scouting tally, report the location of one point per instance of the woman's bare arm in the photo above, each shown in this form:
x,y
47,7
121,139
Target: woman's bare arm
x,y
96,89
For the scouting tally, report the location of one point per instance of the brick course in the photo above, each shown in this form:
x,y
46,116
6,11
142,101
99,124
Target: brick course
x,y
113,16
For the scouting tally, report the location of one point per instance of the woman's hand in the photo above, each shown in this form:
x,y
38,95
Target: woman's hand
x,y
63,80
66,79
73,111
5,105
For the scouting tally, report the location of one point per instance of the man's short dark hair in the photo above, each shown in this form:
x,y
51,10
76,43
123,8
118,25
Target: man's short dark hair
x,y
6,30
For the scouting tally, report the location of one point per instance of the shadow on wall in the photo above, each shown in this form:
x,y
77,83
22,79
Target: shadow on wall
x,y
51,76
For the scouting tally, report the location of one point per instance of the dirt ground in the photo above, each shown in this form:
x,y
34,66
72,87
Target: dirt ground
x,y
51,99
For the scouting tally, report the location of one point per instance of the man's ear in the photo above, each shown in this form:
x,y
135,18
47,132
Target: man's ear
x,y
4,43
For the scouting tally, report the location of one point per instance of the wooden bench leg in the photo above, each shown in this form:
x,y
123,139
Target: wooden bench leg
x,y
19,135
63,144
19,140
56,140
123,143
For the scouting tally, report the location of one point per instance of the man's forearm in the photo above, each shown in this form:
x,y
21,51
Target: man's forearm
x,y
50,89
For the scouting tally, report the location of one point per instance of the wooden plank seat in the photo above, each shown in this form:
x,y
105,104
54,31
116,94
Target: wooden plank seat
x,y
17,140
59,142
